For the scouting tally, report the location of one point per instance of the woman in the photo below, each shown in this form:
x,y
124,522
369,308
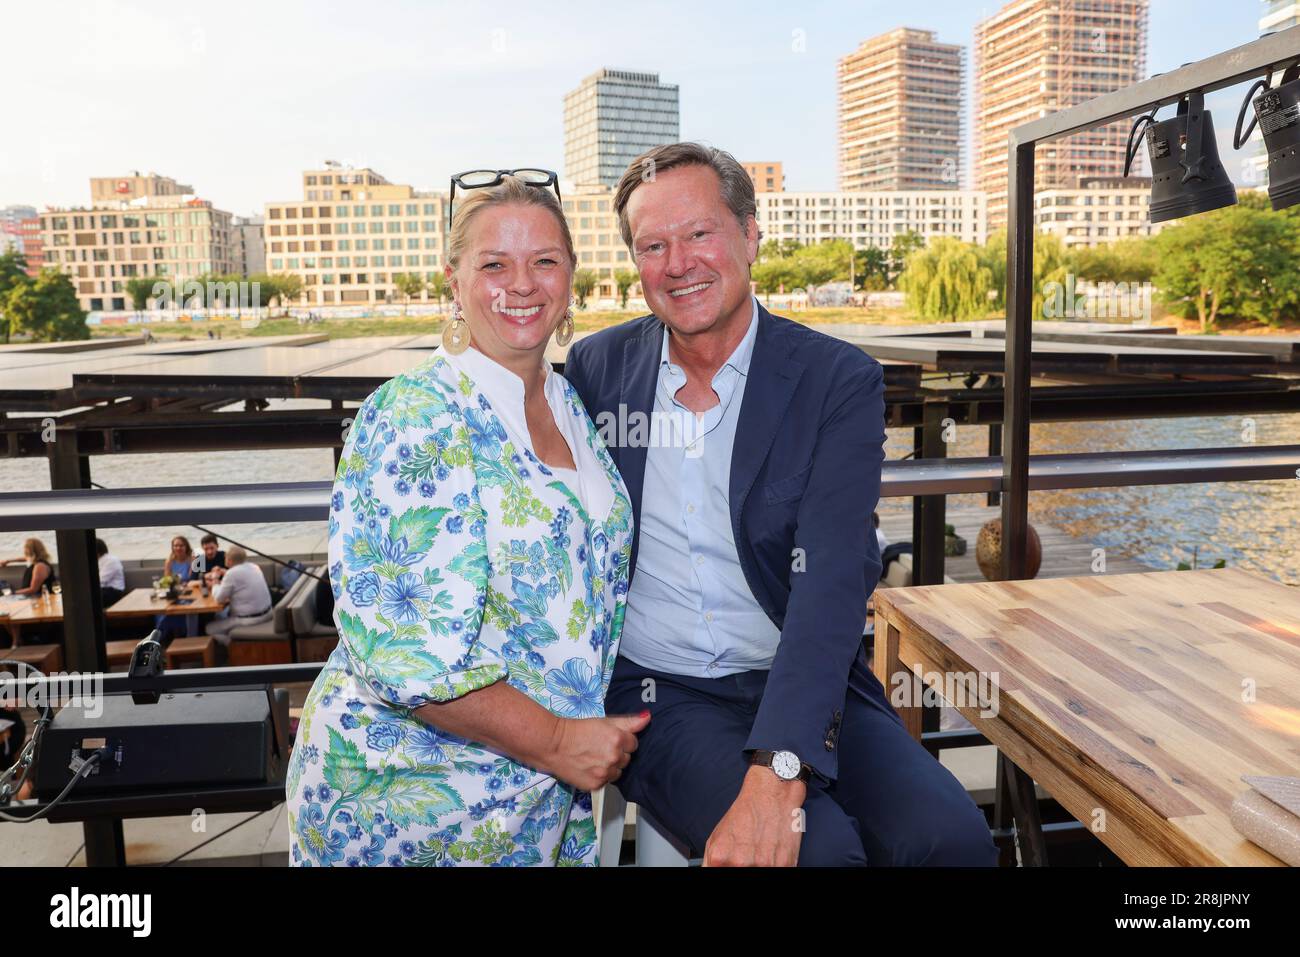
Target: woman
x,y
179,564
39,572
479,545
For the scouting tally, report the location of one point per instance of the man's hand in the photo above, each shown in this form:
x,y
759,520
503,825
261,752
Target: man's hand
x,y
760,829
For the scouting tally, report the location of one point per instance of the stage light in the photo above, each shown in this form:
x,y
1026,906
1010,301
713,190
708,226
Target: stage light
x,y
1277,110
1186,175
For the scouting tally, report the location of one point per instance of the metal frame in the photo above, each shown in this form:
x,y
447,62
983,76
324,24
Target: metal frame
x,y
1243,63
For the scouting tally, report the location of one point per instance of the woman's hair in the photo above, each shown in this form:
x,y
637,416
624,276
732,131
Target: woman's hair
x,y
36,548
185,541
510,191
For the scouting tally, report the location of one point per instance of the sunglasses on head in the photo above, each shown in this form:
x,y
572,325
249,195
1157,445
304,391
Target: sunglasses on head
x,y
479,178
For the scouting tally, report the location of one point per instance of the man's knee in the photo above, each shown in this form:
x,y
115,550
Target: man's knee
x,y
830,836
954,834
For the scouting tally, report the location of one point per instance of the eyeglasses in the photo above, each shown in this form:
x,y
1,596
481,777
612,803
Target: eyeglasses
x,y
479,178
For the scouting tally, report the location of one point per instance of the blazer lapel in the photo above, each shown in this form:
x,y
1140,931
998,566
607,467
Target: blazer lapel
x,y
636,399
769,386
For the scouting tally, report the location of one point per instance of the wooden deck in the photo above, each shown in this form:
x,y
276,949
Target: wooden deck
x,y
1063,554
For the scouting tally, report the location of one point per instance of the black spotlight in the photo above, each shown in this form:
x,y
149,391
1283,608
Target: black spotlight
x,y
1186,175
1277,110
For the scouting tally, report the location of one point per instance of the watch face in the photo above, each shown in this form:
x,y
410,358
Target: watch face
x,y
786,764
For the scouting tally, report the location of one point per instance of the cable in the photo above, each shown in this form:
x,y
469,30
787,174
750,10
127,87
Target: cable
x,y
222,834
75,853
89,765
27,756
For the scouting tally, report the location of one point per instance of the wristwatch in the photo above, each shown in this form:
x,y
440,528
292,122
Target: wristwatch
x,y
784,764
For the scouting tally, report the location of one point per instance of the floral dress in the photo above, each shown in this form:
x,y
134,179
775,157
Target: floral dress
x,y
458,559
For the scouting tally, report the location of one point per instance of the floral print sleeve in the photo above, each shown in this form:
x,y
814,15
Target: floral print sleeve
x,y
458,559
408,550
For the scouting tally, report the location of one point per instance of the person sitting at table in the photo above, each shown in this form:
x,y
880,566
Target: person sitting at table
x,y
180,566
243,589
112,578
213,556
39,571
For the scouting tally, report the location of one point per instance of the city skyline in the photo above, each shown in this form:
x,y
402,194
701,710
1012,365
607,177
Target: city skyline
x,y
769,93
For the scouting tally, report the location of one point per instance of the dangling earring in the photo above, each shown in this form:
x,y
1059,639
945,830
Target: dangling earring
x,y
455,334
564,331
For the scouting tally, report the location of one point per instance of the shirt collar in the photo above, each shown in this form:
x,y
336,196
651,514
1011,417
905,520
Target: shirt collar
x,y
504,389
739,358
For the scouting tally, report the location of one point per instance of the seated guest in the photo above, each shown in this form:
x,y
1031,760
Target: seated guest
x,y
243,589
213,557
112,579
180,566
39,571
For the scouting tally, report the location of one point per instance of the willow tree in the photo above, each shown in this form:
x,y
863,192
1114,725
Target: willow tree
x,y
945,280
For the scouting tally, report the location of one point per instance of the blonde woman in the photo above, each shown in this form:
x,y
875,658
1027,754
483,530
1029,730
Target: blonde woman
x,y
39,572
479,545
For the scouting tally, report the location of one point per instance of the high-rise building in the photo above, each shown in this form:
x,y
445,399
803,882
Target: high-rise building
x,y
1035,57
871,218
900,113
612,118
767,177
136,226
250,245
352,232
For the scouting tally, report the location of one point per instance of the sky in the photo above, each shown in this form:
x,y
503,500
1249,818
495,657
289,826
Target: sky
x,y
237,98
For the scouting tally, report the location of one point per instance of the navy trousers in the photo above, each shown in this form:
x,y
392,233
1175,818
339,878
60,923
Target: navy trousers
x,y
892,803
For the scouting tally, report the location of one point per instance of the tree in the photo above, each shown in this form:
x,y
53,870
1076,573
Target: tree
x,y
584,281
438,286
46,308
279,286
1049,267
904,245
873,268
1237,262
1128,260
408,284
625,279
946,281
13,273
141,290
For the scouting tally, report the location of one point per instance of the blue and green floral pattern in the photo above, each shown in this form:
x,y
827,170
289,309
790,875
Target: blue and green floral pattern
x,y
457,559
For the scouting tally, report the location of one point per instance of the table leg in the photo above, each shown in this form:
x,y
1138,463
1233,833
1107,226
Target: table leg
x,y
1024,809
105,843
886,663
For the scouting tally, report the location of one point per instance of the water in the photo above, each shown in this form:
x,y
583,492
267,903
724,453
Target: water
x,y
1251,525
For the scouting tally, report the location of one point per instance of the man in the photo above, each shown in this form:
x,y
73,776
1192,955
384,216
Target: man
x,y
112,578
243,590
771,741
214,559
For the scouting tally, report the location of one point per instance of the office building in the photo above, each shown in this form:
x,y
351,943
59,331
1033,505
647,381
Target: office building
x,y
613,117
767,177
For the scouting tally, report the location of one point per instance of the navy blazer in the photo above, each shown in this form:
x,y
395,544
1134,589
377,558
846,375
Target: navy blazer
x,y
805,478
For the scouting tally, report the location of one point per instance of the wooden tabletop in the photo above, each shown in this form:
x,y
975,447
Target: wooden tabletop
x,y
140,602
1137,701
32,611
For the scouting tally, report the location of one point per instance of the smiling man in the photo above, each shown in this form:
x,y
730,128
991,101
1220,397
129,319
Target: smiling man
x,y
771,742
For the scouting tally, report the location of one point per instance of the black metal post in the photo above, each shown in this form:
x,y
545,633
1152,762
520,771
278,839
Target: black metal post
x,y
1016,378
83,622
928,511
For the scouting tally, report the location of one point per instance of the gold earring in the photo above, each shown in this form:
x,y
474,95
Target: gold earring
x,y
564,331
455,334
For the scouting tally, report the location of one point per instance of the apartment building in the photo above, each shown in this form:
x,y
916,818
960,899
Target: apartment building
x,y
1099,210
136,226
872,218
900,113
1035,57
352,232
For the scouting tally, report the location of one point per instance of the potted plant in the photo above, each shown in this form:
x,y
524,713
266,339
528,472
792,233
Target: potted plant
x,y
953,544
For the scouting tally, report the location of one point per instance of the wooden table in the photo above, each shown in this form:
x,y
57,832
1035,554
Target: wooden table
x,y
44,658
1138,701
29,611
141,603
202,649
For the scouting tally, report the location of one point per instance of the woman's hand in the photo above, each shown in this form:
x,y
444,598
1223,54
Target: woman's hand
x,y
588,753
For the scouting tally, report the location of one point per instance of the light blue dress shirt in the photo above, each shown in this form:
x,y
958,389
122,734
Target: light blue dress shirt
x,y
689,609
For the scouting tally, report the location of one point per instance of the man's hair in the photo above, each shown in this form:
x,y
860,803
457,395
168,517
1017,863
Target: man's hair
x,y
737,187
235,556
208,538
100,548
